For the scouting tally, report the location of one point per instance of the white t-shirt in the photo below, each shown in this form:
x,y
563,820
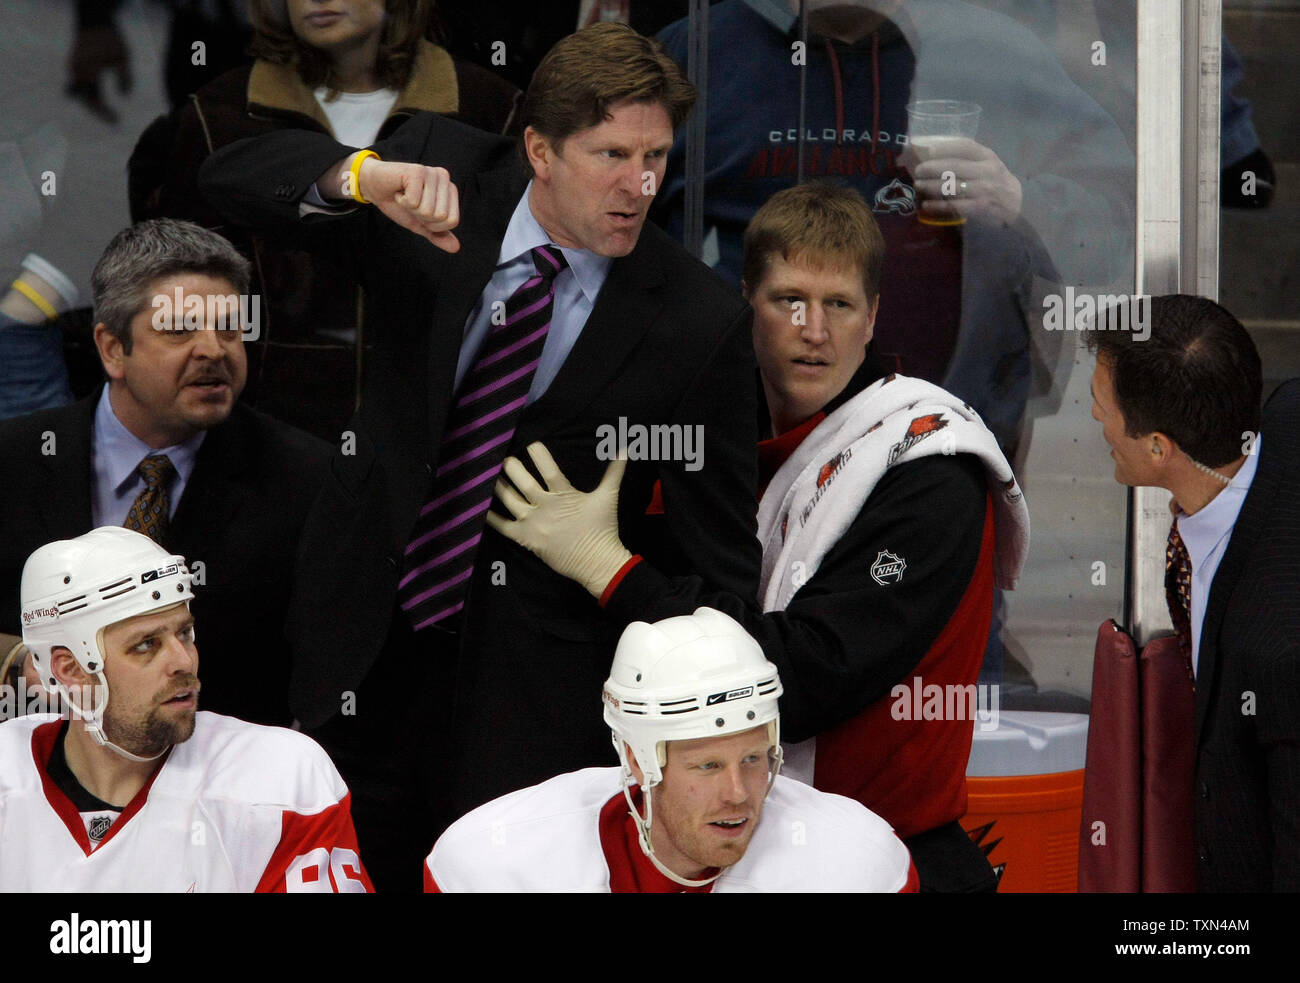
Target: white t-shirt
x,y
355,117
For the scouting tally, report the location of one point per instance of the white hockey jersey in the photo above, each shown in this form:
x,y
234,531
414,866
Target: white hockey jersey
x,y
551,838
237,807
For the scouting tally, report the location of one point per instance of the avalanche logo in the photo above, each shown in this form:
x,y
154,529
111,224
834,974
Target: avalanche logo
x,y
888,568
917,431
896,198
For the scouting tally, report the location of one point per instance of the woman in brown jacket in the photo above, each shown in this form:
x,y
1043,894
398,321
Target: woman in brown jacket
x,y
355,69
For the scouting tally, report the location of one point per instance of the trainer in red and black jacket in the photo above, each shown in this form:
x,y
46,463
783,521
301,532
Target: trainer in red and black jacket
x,y
846,640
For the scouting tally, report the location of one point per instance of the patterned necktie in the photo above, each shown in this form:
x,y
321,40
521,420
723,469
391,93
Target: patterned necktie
x,y
1178,590
440,556
151,507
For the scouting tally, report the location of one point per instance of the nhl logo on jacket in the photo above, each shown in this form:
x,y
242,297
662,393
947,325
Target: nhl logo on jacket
x,y
888,568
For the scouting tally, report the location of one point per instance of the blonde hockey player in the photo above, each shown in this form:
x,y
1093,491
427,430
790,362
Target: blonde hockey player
x,y
697,804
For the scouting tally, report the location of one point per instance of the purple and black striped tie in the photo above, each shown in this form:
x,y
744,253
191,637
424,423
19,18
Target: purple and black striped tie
x,y
440,557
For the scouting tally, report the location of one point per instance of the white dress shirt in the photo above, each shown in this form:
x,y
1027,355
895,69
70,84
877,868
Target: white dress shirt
x,y
115,453
576,289
1206,534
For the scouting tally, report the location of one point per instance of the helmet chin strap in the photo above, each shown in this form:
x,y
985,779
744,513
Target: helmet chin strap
x,y
94,720
643,827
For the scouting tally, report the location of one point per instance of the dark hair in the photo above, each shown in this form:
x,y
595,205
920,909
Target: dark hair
x,y
818,223
1197,378
406,23
589,72
141,254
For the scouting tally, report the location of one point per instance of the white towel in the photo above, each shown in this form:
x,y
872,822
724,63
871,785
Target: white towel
x,y
822,487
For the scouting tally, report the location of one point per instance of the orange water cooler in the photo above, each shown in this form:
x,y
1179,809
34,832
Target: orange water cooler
x,y
1025,786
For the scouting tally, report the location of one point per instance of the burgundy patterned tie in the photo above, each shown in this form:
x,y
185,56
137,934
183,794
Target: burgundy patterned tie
x,y
1178,590
440,557
151,508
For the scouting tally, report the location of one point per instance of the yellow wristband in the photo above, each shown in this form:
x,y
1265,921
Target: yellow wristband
x,y
355,171
43,305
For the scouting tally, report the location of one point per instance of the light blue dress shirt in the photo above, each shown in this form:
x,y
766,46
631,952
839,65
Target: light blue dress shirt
x,y
115,453
576,289
1206,534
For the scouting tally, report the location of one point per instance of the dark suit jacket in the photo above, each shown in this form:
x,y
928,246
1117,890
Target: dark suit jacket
x,y
240,516
667,343
1248,679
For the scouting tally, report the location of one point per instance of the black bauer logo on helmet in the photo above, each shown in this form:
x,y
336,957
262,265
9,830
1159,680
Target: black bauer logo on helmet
x,y
167,571
727,697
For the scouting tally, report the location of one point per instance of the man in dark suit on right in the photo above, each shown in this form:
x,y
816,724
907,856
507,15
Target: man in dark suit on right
x,y
1180,410
516,300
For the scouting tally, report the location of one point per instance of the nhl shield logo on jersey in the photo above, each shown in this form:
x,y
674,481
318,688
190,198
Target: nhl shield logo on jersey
x,y
920,428
888,568
98,826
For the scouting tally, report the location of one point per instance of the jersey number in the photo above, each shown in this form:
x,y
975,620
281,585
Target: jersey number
x,y
322,871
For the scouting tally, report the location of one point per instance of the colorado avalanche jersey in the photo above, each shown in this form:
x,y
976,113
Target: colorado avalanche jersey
x,y
551,838
237,807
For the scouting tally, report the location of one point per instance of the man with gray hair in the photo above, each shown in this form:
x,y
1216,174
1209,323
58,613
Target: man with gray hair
x,y
163,448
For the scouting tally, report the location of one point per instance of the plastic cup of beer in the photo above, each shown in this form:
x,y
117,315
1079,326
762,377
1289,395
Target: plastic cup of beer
x,y
932,124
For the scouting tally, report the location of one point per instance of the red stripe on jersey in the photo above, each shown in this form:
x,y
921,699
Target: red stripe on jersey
x,y
317,854
912,773
913,885
430,885
43,738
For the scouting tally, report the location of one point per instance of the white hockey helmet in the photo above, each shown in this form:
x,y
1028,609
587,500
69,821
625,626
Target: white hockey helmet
x,y
73,589
700,675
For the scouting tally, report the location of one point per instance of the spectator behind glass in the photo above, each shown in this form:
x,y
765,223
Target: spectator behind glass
x,y
1044,186
355,69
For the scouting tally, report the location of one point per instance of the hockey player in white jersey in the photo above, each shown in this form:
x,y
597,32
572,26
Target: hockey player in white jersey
x,y
139,790
697,804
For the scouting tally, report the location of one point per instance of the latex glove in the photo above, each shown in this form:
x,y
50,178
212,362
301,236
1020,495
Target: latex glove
x,y
991,191
575,533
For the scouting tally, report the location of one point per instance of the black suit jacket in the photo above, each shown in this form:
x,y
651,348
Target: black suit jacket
x,y
1248,679
240,517
668,343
